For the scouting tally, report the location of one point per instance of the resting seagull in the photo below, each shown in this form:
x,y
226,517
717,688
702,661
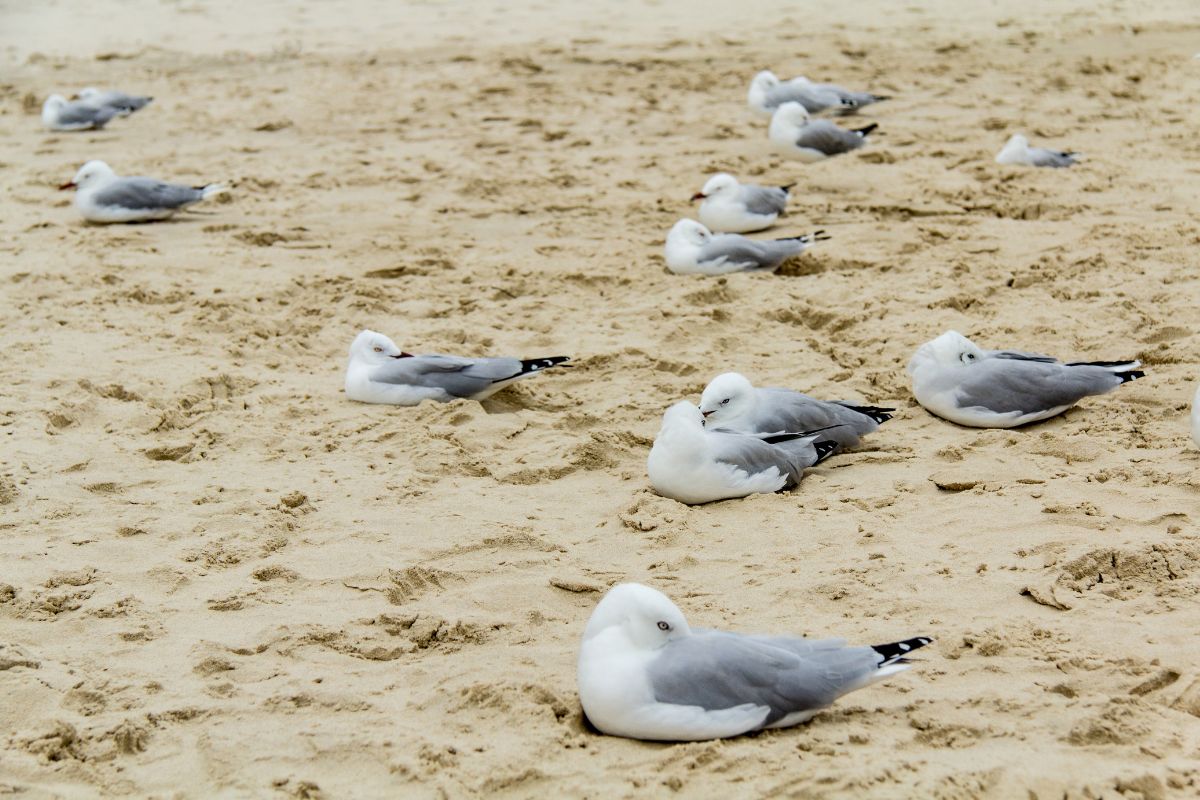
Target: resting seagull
x,y
731,402
60,114
125,104
767,93
103,196
732,207
644,673
695,464
957,380
694,249
798,136
1018,151
380,372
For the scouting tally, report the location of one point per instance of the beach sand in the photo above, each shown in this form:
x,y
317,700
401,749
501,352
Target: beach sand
x,y
218,577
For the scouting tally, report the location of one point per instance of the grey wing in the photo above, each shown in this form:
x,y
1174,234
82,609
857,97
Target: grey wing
x,y
785,410
1006,385
812,98
127,102
749,452
83,114
1017,355
825,137
764,199
147,193
458,377
1042,157
721,670
734,249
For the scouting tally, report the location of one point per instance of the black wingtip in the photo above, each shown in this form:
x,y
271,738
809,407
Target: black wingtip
x,y
880,415
787,188
825,449
1131,375
894,652
538,364
866,130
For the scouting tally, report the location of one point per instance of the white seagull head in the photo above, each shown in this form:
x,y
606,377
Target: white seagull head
x,y
90,175
647,617
726,397
792,114
720,185
688,232
951,349
375,348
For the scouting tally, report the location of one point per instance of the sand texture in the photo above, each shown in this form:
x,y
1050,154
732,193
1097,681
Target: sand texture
x,y
218,577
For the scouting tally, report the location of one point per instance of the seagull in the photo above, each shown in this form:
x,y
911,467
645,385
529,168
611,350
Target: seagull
x,y
732,207
796,135
1196,418
1018,151
60,114
125,104
692,248
380,372
957,380
103,196
731,402
695,464
644,673
767,93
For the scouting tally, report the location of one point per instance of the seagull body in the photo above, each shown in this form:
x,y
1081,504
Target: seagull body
x,y
103,196
731,402
695,464
767,93
644,673
692,248
960,381
380,372
798,136
125,104
60,114
732,207
1018,151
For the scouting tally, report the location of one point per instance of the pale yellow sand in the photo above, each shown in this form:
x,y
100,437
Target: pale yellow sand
x,y
219,577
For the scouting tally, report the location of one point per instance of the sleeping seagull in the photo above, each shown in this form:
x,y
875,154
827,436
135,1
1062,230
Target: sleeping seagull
x,y
380,372
731,402
1018,151
644,673
692,248
797,135
103,196
959,381
125,104
60,114
696,464
732,207
767,93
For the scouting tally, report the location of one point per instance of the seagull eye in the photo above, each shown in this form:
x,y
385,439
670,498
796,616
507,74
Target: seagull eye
x,y
378,349
968,357
725,402
663,626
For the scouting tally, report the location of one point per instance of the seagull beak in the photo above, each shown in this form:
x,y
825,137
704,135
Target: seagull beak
x,y
67,185
705,414
698,196
403,355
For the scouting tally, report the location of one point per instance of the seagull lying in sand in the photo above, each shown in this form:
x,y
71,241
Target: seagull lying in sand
x,y
125,104
957,380
1018,151
60,114
103,196
767,93
380,372
644,673
732,207
731,402
696,464
692,248
798,136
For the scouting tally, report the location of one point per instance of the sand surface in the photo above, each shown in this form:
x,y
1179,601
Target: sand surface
x,y
218,577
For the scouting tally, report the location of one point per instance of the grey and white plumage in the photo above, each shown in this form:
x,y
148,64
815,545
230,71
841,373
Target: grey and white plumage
x,y
380,372
1017,151
957,380
124,104
694,464
1196,417
767,93
732,207
61,114
731,402
798,136
692,248
105,197
644,673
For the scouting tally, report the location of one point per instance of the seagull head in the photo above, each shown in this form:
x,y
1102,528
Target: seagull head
x,y
647,617
726,397
93,173
88,94
375,348
1014,150
688,232
792,114
763,82
54,102
951,349
720,184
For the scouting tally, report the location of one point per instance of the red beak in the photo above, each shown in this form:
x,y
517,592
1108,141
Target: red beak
x,y
698,196
705,414
403,355
67,185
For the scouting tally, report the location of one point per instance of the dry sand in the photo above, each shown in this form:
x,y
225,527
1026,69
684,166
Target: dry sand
x,y
219,577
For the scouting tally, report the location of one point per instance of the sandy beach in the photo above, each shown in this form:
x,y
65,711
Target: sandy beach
x,y
221,578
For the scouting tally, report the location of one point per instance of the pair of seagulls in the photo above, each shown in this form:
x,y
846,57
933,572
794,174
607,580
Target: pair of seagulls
x,y
790,105
102,196
743,440
91,109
